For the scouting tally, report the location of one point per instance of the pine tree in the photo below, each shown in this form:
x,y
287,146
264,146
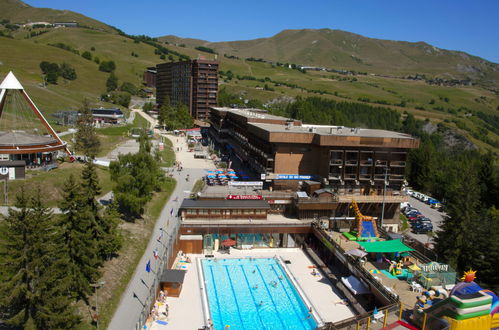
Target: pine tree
x,y
87,140
77,226
56,309
104,226
112,82
458,237
144,141
19,263
34,288
113,239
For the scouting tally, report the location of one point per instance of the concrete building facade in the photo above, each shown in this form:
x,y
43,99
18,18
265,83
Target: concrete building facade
x,y
365,165
193,83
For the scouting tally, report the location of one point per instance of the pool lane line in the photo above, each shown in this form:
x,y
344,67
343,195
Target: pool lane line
x,y
234,295
252,296
299,301
216,295
270,295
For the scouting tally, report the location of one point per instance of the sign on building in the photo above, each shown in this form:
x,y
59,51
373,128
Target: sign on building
x,y
246,183
292,177
244,197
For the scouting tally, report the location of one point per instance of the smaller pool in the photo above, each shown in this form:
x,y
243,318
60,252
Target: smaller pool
x,y
254,294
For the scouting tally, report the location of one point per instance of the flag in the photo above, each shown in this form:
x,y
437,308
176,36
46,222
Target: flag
x,y
155,253
160,235
171,211
148,266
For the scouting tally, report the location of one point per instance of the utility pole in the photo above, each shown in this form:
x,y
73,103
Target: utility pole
x,y
96,286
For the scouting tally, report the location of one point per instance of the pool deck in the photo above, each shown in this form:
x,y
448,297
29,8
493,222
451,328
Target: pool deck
x,y
186,312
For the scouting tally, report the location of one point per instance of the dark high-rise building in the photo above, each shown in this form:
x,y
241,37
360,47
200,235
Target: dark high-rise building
x,y
193,83
150,77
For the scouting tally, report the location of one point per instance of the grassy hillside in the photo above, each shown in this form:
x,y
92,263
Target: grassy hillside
x,y
18,12
472,110
23,56
348,51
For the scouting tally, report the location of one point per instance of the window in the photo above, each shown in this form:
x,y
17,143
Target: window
x,y
203,211
248,211
191,212
236,211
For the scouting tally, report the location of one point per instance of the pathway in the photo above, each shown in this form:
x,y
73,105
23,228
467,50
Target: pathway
x,y
136,294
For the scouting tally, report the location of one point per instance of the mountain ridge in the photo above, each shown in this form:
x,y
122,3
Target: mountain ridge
x,y
19,12
350,51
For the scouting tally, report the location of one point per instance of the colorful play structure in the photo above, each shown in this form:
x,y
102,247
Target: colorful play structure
x,y
466,306
364,228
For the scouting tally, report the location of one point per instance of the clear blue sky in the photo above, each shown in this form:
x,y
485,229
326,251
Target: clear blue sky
x,y
468,25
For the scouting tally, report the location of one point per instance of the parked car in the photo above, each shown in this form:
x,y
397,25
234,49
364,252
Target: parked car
x,y
404,206
421,228
414,217
410,210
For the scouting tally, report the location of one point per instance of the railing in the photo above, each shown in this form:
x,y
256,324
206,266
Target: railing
x,y
421,252
372,198
368,277
163,264
366,321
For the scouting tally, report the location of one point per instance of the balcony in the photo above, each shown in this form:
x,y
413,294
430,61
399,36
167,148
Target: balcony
x,y
372,198
397,163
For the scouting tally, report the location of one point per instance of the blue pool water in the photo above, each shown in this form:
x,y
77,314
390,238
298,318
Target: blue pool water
x,y
241,293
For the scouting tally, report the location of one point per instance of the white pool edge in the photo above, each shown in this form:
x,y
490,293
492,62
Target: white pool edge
x,y
303,296
204,298
308,303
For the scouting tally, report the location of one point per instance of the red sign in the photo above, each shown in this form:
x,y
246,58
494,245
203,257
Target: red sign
x,y
244,197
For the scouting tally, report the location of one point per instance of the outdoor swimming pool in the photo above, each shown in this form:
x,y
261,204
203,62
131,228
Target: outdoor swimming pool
x,y
253,294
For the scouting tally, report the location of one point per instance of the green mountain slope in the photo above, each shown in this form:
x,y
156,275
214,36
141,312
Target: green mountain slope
x,y
471,110
19,12
348,51
23,56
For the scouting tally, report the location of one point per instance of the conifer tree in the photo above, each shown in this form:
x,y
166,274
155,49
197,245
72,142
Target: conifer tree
x,y
34,289
458,236
77,226
18,265
87,140
56,309
113,239
103,226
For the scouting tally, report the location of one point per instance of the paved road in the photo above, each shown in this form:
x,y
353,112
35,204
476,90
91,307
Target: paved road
x,y
435,216
136,294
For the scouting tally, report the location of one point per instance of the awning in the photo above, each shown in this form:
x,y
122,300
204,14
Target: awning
x,y
356,252
394,245
172,276
354,285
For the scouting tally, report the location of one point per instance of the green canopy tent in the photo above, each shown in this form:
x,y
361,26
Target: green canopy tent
x,y
391,246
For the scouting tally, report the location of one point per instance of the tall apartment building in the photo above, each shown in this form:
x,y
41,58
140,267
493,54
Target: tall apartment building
x,y
193,83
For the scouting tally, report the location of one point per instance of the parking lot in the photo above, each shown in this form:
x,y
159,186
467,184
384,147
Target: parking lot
x,y
434,215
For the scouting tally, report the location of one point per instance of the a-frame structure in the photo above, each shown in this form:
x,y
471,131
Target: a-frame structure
x,y
19,142
366,226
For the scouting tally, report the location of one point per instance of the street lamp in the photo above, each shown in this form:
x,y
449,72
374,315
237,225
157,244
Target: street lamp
x,y
97,286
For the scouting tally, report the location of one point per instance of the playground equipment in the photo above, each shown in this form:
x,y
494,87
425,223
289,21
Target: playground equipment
x,y
465,306
366,226
395,268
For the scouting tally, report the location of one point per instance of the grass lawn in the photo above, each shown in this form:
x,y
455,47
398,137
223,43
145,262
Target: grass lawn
x,y
198,186
51,183
118,272
405,223
167,155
